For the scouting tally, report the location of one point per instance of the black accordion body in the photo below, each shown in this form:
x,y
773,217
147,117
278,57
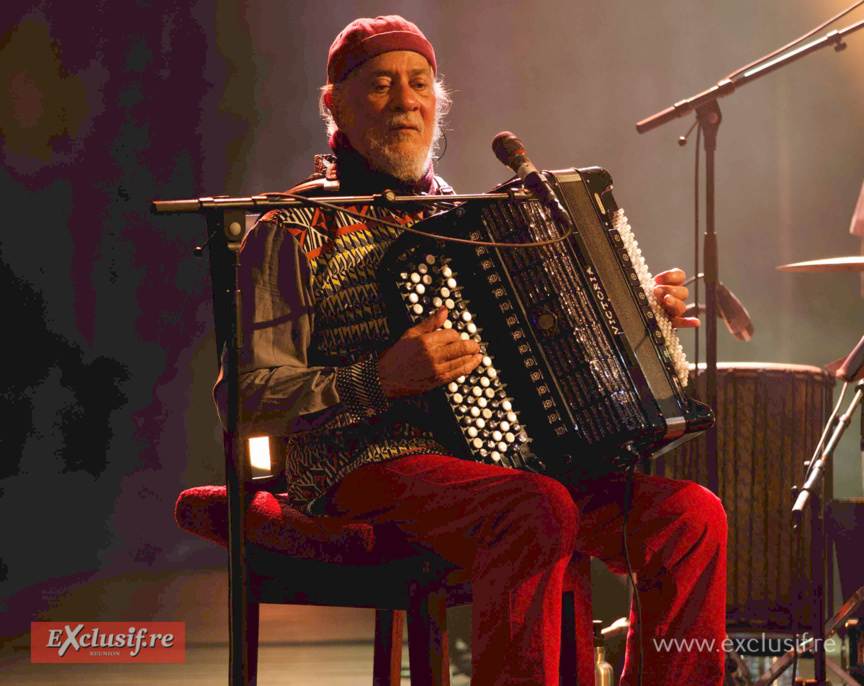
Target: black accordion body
x,y
582,372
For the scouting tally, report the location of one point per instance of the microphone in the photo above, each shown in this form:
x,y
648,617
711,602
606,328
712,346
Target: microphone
x,y
853,363
734,314
730,309
511,152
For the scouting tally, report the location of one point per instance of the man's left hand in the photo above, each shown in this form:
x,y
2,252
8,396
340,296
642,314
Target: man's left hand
x,y
671,296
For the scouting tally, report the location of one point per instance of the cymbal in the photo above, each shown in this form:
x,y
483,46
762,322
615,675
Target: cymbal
x,y
830,264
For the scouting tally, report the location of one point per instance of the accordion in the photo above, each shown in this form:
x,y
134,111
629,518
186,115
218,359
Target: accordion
x,y
582,373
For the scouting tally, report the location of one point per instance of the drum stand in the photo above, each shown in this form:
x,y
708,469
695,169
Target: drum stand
x,y
811,493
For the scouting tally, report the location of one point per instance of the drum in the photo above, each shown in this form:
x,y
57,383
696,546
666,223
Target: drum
x,y
769,420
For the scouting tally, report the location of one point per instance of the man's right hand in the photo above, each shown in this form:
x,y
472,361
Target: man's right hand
x,y
426,357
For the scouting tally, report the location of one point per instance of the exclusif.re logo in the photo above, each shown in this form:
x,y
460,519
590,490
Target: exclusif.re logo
x,y
108,642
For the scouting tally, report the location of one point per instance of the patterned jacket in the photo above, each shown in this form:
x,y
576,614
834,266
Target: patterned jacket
x,y
315,323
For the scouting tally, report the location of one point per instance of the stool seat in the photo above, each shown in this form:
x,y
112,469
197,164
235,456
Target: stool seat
x,y
273,524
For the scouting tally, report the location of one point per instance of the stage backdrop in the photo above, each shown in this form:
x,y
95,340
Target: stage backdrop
x,y
108,348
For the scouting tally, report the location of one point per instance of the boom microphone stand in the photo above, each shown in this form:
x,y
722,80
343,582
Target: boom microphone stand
x,y
708,116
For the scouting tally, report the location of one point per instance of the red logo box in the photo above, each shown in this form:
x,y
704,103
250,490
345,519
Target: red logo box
x,y
108,642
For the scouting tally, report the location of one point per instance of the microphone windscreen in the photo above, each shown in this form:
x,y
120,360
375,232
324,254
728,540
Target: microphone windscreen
x,y
506,146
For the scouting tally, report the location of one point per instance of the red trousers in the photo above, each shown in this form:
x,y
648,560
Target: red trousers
x,y
516,531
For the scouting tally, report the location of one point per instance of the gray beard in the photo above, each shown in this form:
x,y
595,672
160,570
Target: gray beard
x,y
410,168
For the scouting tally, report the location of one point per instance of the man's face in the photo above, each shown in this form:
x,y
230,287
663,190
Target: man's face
x,y
387,108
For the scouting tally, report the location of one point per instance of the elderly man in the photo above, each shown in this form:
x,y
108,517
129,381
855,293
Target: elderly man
x,y
321,369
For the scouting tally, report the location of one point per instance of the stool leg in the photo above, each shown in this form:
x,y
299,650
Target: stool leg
x,y
253,613
387,658
428,656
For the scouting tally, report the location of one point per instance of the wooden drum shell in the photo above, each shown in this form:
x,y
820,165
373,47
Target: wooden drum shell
x,y
769,420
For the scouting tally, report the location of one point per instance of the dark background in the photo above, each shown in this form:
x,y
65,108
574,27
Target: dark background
x,y
108,345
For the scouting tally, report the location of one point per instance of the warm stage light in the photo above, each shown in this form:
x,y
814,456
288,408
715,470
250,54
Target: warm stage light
x,y
259,452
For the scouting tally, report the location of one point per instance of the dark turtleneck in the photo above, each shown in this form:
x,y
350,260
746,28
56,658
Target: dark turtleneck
x,y
356,177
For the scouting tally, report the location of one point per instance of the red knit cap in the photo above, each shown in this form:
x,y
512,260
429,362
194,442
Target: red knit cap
x,y
365,38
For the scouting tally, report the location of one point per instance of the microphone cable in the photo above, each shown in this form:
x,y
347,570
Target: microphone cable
x,y
315,202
